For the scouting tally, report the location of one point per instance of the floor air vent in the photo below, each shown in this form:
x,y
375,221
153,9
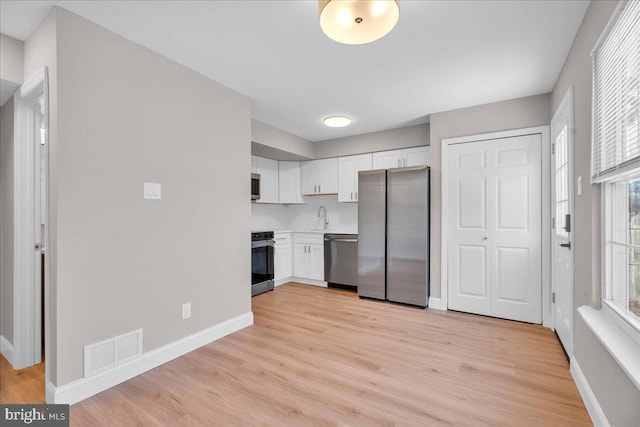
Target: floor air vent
x,y
109,353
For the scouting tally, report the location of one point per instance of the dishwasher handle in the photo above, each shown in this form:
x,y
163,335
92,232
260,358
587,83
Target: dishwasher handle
x,y
341,240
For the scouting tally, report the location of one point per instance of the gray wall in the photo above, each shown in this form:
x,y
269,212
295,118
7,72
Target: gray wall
x,y
411,136
6,220
39,51
616,394
266,135
500,116
11,59
126,115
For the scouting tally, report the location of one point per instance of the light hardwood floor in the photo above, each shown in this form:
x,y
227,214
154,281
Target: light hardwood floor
x,y
323,357
23,386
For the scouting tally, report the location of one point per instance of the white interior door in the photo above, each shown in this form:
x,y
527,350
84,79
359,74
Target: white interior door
x,y
516,240
562,206
495,232
469,268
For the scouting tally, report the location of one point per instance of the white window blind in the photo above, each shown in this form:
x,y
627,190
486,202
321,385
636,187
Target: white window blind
x,y
616,92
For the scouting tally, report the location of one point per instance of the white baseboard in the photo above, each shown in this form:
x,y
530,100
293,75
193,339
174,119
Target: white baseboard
x,y
436,304
593,407
281,281
6,348
86,387
50,392
312,282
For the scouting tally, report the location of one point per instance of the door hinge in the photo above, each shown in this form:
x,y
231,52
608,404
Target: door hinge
x,y
553,148
553,297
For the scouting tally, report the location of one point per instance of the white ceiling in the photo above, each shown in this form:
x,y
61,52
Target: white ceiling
x,y
442,55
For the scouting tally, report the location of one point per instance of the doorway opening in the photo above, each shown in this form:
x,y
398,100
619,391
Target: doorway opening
x,y
30,226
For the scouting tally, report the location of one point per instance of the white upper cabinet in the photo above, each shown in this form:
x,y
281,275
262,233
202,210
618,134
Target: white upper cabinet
x,y
289,182
387,159
319,176
415,156
268,170
348,168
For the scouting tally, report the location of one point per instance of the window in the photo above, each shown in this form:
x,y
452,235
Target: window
x,y
562,182
616,157
622,245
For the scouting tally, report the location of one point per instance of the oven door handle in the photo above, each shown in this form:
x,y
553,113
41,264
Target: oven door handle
x,y
262,243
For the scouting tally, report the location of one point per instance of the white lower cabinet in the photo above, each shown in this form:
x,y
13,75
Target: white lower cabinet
x,y
283,258
308,256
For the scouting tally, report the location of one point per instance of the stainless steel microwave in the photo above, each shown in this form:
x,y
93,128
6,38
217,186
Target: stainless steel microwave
x,y
255,186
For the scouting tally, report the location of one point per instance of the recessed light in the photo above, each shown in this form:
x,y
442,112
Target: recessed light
x,y
337,121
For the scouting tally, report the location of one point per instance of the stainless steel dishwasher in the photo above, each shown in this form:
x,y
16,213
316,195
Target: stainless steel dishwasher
x,y
341,260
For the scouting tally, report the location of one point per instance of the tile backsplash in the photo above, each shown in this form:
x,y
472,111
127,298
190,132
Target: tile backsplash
x,y
341,216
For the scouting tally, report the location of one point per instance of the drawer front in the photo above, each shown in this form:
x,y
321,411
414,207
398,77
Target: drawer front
x,y
282,238
309,238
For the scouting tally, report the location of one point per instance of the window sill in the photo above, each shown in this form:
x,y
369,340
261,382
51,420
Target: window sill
x,y
622,346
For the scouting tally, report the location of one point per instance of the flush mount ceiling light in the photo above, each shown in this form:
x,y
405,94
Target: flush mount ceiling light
x,y
358,21
337,121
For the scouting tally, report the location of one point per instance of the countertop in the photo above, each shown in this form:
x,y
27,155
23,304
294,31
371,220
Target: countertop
x,y
327,231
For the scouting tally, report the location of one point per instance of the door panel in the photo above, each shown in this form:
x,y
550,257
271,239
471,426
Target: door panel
x,y
472,262
512,272
513,202
472,197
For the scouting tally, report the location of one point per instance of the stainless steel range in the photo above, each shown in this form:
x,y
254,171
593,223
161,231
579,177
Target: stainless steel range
x,y
262,251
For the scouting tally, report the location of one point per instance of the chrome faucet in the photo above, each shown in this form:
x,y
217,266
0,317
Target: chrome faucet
x,y
325,223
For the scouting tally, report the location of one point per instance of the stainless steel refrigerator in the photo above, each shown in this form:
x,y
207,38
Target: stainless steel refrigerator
x,y
393,235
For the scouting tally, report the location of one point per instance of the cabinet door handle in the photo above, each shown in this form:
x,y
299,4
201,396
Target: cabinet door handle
x,y
405,162
356,195
315,188
351,196
319,190
398,162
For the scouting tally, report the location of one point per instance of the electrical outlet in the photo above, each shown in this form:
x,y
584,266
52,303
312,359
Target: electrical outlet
x,y
186,311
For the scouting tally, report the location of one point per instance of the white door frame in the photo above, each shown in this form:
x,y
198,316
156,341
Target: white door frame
x,y
566,105
544,132
26,286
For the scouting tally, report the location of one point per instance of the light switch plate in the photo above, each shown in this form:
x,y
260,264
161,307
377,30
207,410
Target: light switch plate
x,y
186,311
579,186
152,191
